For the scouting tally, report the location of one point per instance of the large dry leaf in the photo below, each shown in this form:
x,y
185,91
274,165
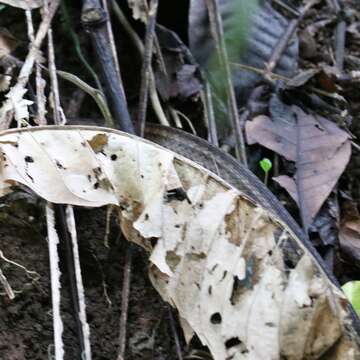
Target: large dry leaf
x,y
319,148
24,4
239,278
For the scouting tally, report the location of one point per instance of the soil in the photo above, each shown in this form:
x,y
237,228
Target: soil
x,y
26,321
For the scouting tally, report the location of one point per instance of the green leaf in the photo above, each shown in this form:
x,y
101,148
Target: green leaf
x,y
2,7
266,165
352,292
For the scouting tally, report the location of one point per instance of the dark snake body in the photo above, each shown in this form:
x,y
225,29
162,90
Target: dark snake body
x,y
231,171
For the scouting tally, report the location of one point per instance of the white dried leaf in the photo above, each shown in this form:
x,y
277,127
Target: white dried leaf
x,y
238,277
24,4
139,9
15,105
4,82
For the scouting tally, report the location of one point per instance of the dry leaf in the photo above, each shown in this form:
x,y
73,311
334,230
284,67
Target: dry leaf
x,y
239,278
24,4
15,106
139,9
349,234
318,147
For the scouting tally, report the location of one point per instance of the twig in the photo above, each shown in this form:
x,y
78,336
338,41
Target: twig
x,y
66,224
209,113
96,94
175,333
30,273
30,60
146,67
188,121
218,34
340,35
71,225
40,82
7,287
287,7
55,282
112,40
94,19
284,40
271,75
155,101
125,302
77,46
59,117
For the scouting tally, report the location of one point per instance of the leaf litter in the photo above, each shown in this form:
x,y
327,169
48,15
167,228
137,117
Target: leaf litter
x,y
221,260
317,146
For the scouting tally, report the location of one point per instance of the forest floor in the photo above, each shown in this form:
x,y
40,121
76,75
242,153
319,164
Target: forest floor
x,y
26,322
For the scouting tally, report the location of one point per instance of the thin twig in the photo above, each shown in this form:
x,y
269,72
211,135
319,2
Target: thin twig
x,y
28,64
7,287
59,117
340,35
218,34
209,114
77,46
175,334
55,281
66,224
40,82
287,7
146,67
155,101
112,40
125,302
71,225
283,42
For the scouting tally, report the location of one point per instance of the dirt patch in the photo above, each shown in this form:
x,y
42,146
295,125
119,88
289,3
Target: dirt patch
x,y
26,322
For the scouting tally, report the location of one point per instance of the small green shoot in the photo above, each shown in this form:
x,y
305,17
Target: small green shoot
x,y
352,292
266,165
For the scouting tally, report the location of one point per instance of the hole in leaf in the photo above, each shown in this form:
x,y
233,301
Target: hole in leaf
x,y
29,159
232,342
216,318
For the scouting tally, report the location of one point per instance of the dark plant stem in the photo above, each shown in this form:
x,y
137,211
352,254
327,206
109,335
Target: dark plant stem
x,y
94,19
146,67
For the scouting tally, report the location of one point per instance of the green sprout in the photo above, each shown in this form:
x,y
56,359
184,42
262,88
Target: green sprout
x,y
266,165
352,292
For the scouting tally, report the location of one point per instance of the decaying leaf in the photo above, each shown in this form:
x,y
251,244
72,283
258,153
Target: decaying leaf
x,y
319,148
15,106
349,236
24,4
139,9
238,276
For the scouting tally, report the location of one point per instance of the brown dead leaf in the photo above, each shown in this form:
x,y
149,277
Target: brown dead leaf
x,y
320,149
349,235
